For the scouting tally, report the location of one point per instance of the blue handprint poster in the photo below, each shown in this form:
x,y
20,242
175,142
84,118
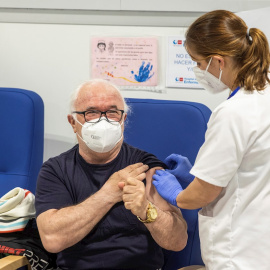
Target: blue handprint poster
x,y
125,61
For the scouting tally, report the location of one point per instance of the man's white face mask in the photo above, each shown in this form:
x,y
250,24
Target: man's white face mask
x,y
208,81
102,136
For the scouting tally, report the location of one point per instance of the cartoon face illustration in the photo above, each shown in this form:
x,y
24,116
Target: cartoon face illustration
x,y
101,46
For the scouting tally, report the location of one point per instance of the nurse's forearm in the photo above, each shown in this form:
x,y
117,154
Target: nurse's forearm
x,y
198,194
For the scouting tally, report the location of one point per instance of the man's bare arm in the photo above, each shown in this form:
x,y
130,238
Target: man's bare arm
x,y
60,229
169,230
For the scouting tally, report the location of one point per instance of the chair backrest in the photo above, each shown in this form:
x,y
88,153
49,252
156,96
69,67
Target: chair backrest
x,y
163,127
21,139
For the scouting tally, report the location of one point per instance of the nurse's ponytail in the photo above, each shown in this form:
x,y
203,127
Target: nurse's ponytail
x,y
254,63
223,33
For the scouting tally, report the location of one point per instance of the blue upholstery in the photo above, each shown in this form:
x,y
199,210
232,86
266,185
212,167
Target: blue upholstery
x,y
21,138
164,127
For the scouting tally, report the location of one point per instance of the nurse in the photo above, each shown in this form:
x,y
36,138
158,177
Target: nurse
x,y
231,176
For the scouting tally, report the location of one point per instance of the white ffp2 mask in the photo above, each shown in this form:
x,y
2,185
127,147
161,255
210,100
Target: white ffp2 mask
x,y
208,81
102,136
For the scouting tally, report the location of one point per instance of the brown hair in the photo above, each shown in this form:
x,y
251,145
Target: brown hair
x,y
223,33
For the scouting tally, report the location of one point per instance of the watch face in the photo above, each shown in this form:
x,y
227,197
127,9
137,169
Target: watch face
x,y
153,213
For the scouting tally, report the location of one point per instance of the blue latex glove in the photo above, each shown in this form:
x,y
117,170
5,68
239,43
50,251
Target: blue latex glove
x,y
179,166
167,186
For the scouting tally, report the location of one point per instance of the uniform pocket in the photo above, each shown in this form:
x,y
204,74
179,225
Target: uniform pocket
x,y
206,232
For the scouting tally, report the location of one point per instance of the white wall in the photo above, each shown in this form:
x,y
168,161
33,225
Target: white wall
x,y
53,59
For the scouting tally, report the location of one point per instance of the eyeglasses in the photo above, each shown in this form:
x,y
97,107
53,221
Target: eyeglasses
x,y
94,116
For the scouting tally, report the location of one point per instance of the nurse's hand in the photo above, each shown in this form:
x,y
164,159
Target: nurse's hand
x,y
179,166
167,186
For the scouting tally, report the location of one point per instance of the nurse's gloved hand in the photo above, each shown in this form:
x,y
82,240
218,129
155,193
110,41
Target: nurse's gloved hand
x,y
179,166
167,186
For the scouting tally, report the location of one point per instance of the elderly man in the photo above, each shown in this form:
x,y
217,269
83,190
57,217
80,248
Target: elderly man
x,y
94,207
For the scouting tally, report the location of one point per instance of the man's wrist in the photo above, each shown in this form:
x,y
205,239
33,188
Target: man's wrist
x,y
143,214
107,196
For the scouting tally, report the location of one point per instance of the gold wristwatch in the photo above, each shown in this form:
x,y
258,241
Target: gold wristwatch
x,y
151,214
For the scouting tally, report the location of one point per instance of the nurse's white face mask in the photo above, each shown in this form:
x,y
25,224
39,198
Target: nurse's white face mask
x,y
208,81
102,136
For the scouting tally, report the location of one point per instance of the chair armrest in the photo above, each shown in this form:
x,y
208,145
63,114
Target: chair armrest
x,y
12,262
193,267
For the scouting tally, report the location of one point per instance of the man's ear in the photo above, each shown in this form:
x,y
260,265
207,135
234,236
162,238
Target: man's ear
x,y
72,122
125,117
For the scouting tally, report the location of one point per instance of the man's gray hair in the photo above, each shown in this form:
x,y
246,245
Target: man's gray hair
x,y
74,95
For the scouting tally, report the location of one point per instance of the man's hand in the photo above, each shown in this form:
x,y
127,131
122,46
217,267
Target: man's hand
x,y
167,186
114,185
134,197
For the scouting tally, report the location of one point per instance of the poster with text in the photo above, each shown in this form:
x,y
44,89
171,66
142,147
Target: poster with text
x,y
125,61
179,65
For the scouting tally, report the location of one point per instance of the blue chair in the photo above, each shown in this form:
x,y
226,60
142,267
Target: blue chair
x,y
163,127
21,148
21,139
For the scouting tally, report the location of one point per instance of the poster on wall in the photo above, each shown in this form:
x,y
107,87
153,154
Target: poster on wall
x,y
125,61
179,72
